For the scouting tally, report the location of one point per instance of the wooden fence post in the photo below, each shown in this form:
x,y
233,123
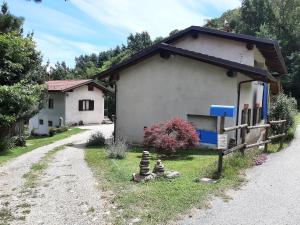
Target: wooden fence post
x,y
243,130
282,138
221,154
267,138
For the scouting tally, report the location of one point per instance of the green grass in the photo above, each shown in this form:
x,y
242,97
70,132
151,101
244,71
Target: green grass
x,y
36,142
157,202
160,201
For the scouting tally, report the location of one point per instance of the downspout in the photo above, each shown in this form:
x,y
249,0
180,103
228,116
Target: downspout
x,y
115,117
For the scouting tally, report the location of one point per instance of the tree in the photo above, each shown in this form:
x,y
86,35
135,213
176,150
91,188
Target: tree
x,y
60,71
9,22
138,41
19,101
19,60
255,13
21,75
173,32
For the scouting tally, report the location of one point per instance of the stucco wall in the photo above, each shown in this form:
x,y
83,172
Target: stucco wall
x,y
47,114
158,89
251,94
218,47
73,115
259,58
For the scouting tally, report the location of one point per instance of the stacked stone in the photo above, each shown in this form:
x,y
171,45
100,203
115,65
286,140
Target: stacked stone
x,y
159,168
144,164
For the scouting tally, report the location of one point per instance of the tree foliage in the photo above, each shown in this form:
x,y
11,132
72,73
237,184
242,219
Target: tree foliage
x,y
19,60
21,73
10,23
283,107
19,101
170,136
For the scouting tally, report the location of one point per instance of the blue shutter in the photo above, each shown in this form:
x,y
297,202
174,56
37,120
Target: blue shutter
x,y
265,102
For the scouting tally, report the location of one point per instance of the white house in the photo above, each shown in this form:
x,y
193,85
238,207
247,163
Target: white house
x,y
70,102
187,73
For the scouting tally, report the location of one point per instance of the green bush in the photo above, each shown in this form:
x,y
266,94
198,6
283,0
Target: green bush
x,y
283,107
96,139
117,149
6,144
19,140
53,131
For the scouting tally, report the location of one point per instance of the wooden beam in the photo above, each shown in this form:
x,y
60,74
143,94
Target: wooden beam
x,y
278,121
165,54
235,127
277,136
238,147
250,46
259,126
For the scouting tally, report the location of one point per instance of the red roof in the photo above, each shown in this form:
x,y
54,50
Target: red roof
x,y
63,85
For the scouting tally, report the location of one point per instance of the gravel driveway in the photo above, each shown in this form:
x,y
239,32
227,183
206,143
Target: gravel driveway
x,y
66,194
271,197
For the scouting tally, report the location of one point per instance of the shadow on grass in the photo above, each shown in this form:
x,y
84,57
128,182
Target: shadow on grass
x,y
6,153
180,155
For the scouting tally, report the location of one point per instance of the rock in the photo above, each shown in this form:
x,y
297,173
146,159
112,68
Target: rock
x,y
159,168
207,180
172,174
151,176
144,164
135,220
138,177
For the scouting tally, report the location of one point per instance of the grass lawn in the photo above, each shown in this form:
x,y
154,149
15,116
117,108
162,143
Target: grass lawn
x,y
162,200
36,142
158,202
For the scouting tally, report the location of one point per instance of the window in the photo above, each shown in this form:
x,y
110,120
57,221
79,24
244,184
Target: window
x,y
90,87
41,122
50,103
50,123
86,105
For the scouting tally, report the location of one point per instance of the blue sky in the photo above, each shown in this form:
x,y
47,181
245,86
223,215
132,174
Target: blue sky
x,y
64,30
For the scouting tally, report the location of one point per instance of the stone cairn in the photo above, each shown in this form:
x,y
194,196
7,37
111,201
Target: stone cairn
x,y
159,168
144,164
144,173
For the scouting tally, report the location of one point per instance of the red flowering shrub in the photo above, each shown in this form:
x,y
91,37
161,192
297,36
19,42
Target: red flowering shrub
x,y
170,136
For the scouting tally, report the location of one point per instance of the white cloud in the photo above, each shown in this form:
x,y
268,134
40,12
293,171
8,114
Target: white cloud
x,y
60,49
158,17
42,17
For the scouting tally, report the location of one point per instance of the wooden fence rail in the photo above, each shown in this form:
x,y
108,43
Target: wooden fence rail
x,y
244,146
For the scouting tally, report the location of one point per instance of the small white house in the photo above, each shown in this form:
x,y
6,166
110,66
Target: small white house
x,y
70,102
187,73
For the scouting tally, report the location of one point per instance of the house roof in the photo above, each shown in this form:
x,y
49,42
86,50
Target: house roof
x,y
67,85
164,49
269,48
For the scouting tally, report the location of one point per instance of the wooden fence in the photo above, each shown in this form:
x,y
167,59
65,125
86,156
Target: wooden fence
x,y
244,146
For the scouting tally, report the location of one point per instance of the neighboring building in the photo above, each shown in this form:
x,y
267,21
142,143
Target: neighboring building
x,y
70,102
187,73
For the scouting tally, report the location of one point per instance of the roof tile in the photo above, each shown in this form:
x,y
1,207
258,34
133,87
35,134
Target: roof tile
x,y
61,85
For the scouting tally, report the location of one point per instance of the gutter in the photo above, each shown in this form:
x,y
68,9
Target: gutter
x,y
115,117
